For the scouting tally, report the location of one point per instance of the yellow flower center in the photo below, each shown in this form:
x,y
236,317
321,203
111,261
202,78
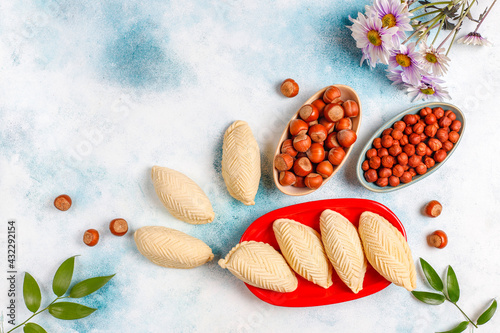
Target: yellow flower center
x,y
427,91
430,57
388,21
403,60
374,37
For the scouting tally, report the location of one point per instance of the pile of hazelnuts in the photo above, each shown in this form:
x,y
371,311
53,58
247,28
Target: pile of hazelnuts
x,y
317,140
411,147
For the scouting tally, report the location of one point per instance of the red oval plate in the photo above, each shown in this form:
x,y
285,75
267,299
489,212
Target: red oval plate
x,y
307,293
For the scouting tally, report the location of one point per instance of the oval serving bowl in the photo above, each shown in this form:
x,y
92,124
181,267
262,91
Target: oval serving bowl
x,y
374,187
308,293
346,94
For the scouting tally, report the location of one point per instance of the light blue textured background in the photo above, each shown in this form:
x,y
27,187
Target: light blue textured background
x,y
92,94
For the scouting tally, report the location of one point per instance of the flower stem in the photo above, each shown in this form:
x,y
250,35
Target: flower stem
x,y
425,14
439,30
431,4
459,23
464,314
439,17
484,16
456,31
36,313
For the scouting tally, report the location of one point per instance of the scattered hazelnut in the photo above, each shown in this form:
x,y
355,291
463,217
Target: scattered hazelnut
x,y
63,202
118,227
433,208
289,88
438,239
91,237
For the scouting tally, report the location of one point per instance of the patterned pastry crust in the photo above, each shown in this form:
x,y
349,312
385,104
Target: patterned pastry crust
x,y
183,198
171,248
302,248
344,249
260,265
241,162
387,250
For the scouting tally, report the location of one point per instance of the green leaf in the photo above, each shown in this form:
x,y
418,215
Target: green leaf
x,y
70,311
452,288
87,287
33,328
429,298
431,275
460,328
31,293
63,276
488,314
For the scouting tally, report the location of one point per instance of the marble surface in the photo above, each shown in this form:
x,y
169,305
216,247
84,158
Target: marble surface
x,y
93,94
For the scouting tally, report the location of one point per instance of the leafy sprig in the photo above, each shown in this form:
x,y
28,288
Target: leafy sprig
x,y
451,294
60,286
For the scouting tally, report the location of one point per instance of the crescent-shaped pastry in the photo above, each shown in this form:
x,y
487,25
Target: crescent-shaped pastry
x,y
260,265
302,248
343,247
171,248
387,250
241,162
183,198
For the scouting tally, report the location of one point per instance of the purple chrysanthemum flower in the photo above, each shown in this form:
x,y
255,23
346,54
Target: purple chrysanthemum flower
x,y
408,59
372,38
392,13
433,60
474,38
397,76
429,87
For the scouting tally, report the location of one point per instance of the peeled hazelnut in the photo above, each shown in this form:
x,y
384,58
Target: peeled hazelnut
x,y
333,112
408,130
371,152
298,126
414,139
438,239
445,122
406,177
313,181
418,128
384,173
308,113
409,149
63,202
404,140
429,162
346,137
402,159
395,150
283,162
331,95
456,125
447,145
442,134
410,119
387,131
331,141
388,161
325,169
453,136
91,237
287,148
397,134
414,160
371,175
412,172
399,125
424,112
440,155
452,116
377,143
351,108
434,144
302,143
118,227
397,170
433,208
421,149
421,169
365,165
302,167
438,112
316,153
287,178
344,123
430,119
387,141
393,181
336,155
318,133
382,182
375,162
430,130
289,88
